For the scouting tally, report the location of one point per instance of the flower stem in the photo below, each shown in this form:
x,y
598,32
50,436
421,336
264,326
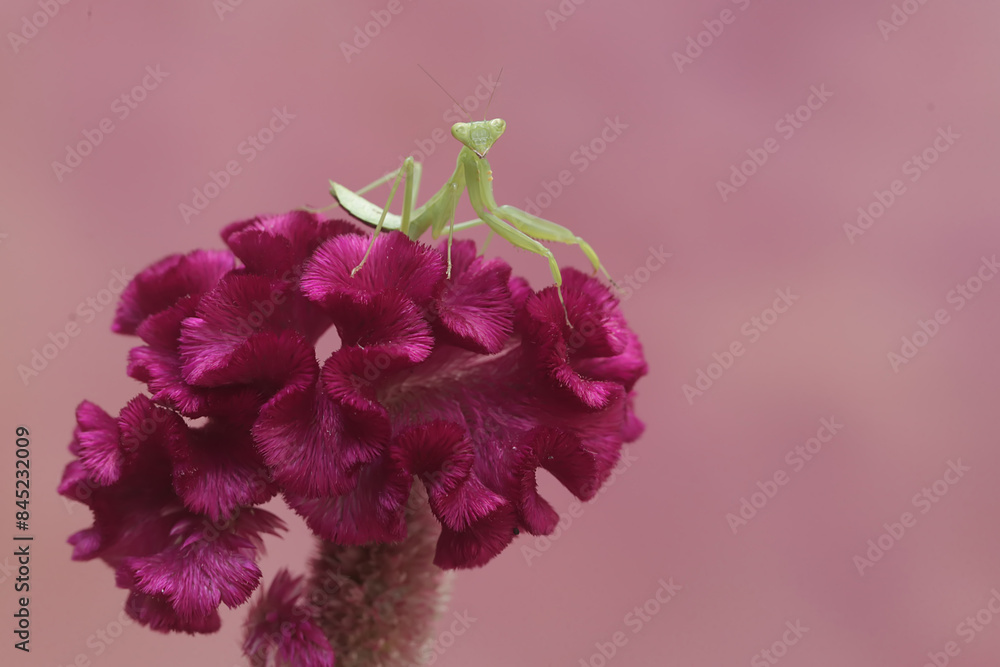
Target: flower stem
x,y
377,603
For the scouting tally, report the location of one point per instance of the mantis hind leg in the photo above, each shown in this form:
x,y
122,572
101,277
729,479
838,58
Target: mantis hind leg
x,y
371,186
417,169
519,239
405,172
466,225
377,182
545,230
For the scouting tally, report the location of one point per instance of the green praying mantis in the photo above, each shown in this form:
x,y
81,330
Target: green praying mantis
x,y
473,175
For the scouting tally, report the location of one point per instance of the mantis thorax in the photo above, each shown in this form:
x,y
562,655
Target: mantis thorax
x,y
479,135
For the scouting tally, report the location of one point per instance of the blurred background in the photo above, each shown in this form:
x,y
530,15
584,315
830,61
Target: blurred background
x,y
800,197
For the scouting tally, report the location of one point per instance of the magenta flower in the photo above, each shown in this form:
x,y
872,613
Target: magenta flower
x,y
154,485
468,384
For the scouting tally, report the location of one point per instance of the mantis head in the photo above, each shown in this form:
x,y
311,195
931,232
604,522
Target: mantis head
x,y
479,135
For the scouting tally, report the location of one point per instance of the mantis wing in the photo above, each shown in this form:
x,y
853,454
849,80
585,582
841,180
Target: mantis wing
x,y
362,209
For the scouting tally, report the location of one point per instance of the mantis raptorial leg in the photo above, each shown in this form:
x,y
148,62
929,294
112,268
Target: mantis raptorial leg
x,y
473,175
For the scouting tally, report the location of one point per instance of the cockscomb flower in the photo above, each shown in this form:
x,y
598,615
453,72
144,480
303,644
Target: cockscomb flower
x,y
454,389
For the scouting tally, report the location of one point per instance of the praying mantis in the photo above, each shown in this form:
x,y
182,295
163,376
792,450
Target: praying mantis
x,y
473,175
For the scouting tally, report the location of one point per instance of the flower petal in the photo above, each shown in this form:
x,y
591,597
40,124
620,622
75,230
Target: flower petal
x,y
558,349
240,306
156,612
562,455
475,308
281,630
217,470
372,511
395,264
97,443
276,245
161,285
624,368
441,455
269,362
161,371
479,543
201,570
390,322
305,438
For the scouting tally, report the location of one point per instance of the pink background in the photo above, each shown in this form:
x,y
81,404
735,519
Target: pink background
x,y
655,185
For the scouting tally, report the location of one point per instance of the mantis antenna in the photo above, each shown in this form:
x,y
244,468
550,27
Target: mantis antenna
x,y
459,104
492,93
